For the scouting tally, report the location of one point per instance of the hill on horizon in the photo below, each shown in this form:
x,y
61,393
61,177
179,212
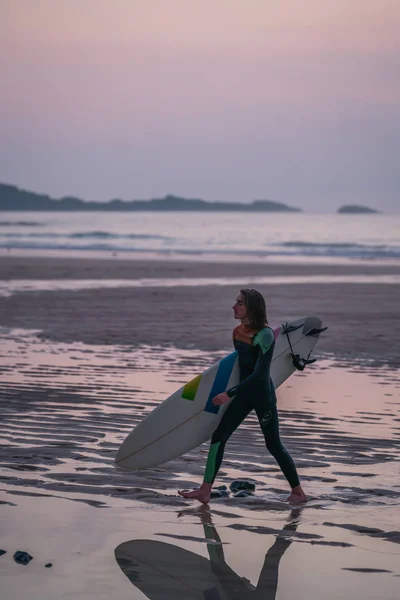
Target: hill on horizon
x,y
12,198
350,209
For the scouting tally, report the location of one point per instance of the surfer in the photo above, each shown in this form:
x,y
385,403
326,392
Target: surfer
x,y
254,341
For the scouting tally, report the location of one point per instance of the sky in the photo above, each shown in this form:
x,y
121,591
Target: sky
x,y
296,101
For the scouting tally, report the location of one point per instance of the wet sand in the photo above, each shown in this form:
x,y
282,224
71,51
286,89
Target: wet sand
x,y
71,392
362,317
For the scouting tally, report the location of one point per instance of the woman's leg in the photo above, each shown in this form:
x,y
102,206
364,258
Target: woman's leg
x,y
267,414
236,412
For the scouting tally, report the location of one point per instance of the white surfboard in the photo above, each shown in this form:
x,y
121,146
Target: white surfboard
x,y
188,418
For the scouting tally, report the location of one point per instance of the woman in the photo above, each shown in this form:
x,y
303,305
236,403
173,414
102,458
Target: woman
x,y
254,341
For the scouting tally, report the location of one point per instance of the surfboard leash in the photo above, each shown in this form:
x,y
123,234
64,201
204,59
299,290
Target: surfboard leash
x,y
299,363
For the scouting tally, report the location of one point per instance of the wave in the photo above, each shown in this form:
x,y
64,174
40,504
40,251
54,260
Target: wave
x,y
108,235
307,250
85,235
339,249
328,245
21,224
26,245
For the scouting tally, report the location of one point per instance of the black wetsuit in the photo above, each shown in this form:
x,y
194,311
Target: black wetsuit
x,y
255,391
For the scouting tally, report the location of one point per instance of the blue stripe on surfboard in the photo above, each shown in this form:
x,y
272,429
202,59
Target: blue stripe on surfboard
x,y
221,381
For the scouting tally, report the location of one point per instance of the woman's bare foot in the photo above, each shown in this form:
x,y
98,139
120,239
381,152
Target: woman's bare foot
x,y
202,494
297,496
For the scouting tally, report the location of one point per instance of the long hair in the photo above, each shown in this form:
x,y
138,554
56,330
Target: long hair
x,y
256,309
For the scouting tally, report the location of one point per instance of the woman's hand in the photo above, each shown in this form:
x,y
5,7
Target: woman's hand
x,y
221,399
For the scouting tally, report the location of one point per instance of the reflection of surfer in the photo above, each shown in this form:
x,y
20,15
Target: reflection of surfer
x,y
162,570
239,588
254,341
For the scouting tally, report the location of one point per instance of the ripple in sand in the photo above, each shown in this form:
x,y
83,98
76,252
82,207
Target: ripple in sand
x,y
67,407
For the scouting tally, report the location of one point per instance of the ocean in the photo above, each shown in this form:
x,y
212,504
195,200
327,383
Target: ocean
x,y
225,236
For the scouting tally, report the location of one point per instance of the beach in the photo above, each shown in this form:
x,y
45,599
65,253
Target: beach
x,y
362,317
90,345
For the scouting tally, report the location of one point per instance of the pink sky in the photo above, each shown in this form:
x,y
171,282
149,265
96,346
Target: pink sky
x,y
296,101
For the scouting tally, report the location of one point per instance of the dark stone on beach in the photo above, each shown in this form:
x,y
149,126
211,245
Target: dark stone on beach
x,y
3,552
221,487
241,494
22,558
48,565
242,484
219,494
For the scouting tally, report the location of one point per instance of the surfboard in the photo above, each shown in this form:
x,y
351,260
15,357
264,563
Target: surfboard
x,y
188,417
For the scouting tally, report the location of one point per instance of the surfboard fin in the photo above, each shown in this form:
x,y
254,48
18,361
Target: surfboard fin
x,y
316,331
301,363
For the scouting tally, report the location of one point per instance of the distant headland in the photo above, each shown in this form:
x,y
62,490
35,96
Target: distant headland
x,y
356,209
13,198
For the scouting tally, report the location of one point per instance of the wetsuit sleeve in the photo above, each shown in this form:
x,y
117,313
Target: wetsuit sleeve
x,y
264,340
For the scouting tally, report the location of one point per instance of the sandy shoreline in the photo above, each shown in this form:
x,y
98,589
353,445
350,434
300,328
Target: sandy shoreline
x,y
363,319
102,358
66,407
73,267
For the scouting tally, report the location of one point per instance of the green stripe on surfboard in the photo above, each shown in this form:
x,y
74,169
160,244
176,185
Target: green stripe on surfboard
x,y
190,389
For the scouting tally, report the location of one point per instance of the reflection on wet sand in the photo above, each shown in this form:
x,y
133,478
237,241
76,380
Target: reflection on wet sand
x,y
162,570
67,407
